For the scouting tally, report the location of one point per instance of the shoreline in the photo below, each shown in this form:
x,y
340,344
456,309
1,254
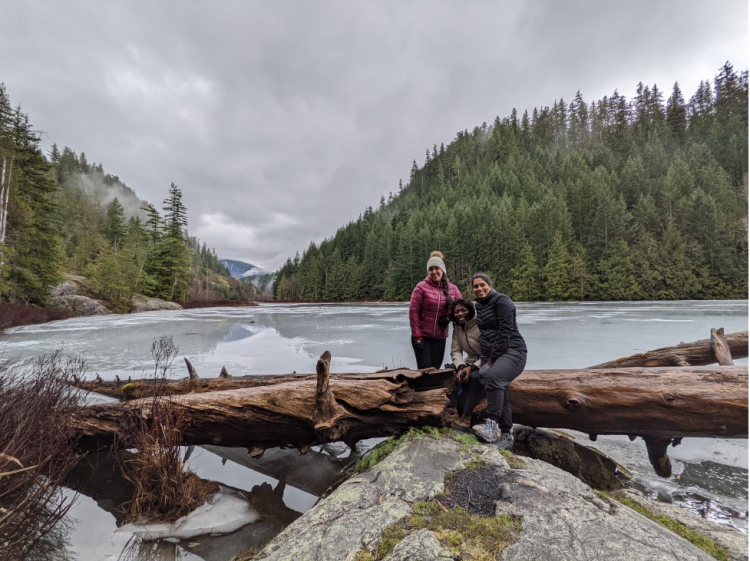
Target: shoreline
x,y
22,315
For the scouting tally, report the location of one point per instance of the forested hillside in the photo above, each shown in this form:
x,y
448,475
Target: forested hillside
x,y
608,200
67,215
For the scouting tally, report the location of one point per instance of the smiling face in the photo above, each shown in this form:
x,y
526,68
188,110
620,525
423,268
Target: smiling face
x,y
461,314
435,273
481,288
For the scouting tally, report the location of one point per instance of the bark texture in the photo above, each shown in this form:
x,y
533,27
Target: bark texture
x,y
661,403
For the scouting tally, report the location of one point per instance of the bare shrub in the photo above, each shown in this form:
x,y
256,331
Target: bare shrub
x,y
164,489
12,315
36,449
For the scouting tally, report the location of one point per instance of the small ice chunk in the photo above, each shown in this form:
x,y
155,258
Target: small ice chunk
x,y
224,512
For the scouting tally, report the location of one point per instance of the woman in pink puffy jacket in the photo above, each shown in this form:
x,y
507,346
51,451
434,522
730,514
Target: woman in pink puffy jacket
x,y
429,313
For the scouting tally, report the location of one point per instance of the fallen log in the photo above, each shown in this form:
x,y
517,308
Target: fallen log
x,y
697,353
651,402
298,413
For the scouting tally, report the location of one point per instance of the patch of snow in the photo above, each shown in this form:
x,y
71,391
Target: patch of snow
x,y
224,512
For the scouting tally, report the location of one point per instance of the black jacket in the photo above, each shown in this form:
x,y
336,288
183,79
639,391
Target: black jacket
x,y
496,318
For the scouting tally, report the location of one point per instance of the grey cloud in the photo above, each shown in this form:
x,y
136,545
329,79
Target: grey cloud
x,y
283,121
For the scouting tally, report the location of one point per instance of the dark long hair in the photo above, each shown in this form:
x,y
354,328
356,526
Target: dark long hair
x,y
444,284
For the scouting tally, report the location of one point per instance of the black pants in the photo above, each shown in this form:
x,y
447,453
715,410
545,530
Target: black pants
x,y
432,353
472,394
494,381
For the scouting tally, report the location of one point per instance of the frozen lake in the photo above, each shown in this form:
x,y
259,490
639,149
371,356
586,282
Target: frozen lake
x,y
710,475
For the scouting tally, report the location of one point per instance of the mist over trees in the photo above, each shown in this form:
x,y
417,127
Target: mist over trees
x,y
67,214
610,200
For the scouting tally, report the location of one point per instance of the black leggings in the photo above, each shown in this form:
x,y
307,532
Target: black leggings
x,y
432,353
494,384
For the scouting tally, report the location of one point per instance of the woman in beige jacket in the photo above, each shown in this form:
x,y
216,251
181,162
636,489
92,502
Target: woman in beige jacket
x,y
465,352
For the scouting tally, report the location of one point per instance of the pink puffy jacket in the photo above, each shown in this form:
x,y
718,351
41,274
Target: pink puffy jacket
x,y
426,306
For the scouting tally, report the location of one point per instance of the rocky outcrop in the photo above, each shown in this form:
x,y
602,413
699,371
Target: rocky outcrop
x,y
141,303
561,517
80,305
74,295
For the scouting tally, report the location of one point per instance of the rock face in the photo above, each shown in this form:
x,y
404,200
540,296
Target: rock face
x,y
75,296
421,545
80,305
561,517
140,303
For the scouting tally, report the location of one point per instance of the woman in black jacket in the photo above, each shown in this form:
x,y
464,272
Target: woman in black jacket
x,y
503,358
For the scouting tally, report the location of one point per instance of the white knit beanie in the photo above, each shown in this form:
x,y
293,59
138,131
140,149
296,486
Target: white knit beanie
x,y
436,260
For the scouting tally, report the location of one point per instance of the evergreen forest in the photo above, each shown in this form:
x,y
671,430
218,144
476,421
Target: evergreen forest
x,y
617,199
63,214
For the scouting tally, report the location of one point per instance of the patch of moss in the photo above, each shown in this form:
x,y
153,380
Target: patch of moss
x,y
363,555
380,452
390,538
460,437
475,464
513,461
696,538
467,536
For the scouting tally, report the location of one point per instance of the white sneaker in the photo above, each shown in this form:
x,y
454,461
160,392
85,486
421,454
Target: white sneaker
x,y
488,431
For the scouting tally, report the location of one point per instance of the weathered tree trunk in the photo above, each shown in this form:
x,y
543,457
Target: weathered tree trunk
x,y
650,402
296,413
697,353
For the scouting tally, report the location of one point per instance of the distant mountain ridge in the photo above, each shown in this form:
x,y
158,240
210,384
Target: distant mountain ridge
x,y
240,269
251,274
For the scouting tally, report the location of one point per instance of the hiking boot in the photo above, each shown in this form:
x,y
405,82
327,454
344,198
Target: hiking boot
x,y
506,441
488,431
462,424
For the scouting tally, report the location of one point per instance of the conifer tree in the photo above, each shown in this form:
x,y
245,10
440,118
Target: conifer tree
x,y
525,276
114,224
558,283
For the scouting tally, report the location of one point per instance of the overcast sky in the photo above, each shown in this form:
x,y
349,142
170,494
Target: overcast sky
x,y
281,121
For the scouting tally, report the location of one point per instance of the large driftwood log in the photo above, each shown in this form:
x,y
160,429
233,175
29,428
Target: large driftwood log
x,y
697,353
661,403
289,413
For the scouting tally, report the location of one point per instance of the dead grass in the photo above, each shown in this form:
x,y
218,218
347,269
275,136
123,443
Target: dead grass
x,y
163,488
36,451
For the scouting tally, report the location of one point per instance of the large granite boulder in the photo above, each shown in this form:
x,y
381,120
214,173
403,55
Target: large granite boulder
x,y
561,517
141,303
79,305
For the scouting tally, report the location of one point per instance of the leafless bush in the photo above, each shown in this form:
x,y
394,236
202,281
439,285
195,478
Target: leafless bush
x,y
36,449
164,490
